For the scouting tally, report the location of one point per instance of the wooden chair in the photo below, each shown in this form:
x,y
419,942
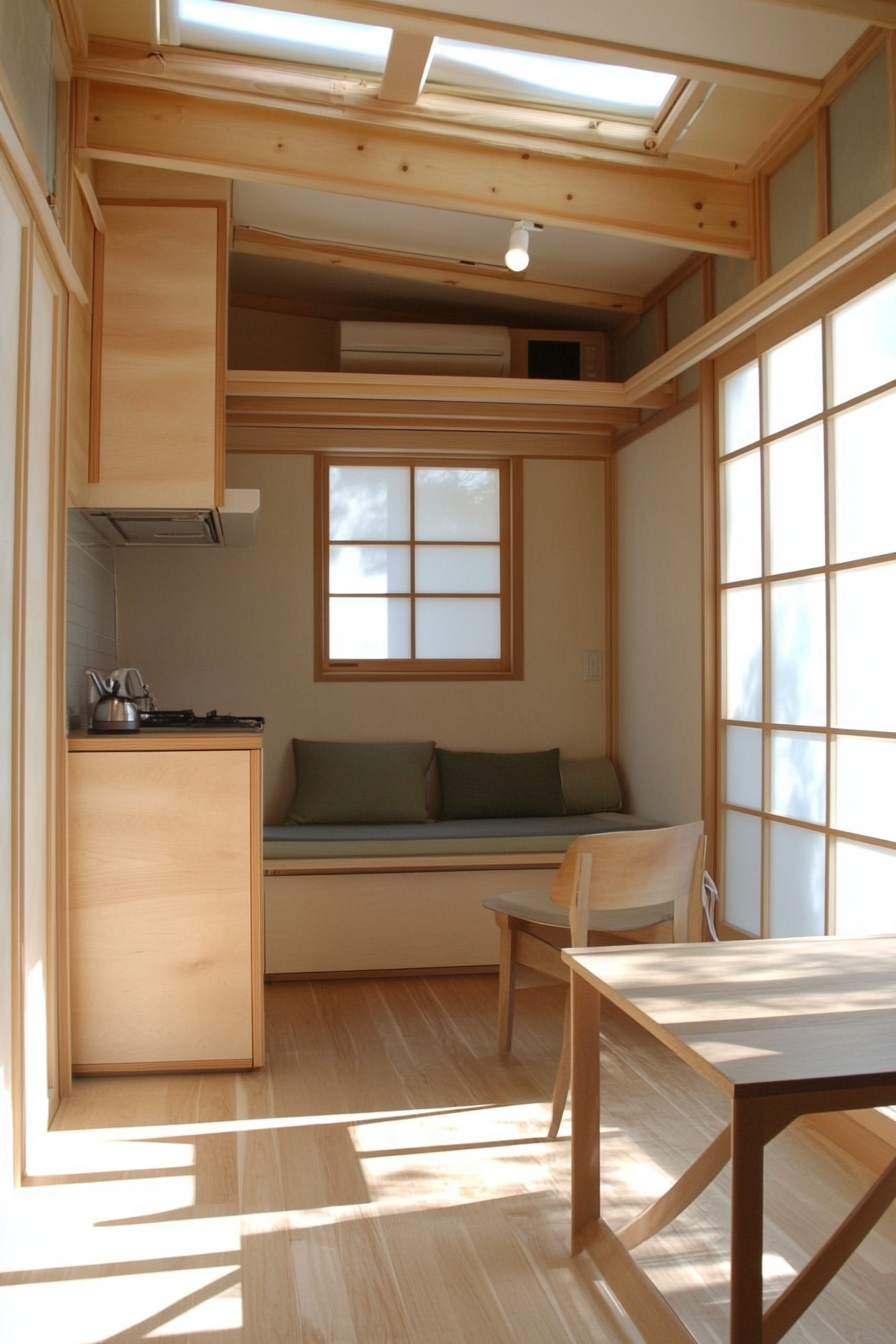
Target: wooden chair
x,y
612,885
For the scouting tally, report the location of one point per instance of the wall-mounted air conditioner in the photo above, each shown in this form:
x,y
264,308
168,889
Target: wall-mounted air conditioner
x,y
417,347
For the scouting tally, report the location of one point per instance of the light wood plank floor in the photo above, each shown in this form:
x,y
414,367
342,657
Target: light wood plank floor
x,y
385,1181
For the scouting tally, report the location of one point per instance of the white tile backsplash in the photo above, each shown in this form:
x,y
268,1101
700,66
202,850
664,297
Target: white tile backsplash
x,y
90,610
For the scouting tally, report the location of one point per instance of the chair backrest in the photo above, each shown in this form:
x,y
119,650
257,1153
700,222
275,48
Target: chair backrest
x,y
625,870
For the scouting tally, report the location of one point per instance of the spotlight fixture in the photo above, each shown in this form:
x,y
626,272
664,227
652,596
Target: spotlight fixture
x,y
516,258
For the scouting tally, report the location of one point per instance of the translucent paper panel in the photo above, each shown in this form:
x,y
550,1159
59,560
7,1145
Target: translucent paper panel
x,y
370,627
865,891
743,868
457,504
863,343
287,37
458,569
530,76
743,766
742,518
732,278
638,347
791,207
796,882
370,569
798,652
859,133
865,479
799,776
452,627
864,800
793,380
865,648
742,617
740,408
796,509
370,503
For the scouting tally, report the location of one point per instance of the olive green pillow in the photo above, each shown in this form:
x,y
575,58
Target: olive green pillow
x,y
590,786
500,784
358,783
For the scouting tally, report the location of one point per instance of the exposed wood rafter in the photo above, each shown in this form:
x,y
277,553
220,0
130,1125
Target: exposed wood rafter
x,y
407,66
162,129
433,270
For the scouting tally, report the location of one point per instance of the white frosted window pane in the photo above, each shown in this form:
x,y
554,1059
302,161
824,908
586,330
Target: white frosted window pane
x,y
796,882
458,569
793,380
457,504
742,614
742,518
370,627
370,569
796,511
743,766
865,648
863,343
799,776
865,479
370,504
859,119
865,892
458,627
743,867
798,652
865,788
740,408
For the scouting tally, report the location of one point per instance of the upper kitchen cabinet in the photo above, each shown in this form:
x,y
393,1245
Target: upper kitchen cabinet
x,y
159,354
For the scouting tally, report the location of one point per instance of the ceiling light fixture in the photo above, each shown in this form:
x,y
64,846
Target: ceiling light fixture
x,y
516,258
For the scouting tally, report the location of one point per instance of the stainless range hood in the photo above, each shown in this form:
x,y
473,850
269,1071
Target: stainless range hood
x,y
233,524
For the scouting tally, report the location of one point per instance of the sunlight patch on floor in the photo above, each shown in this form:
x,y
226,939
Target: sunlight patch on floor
x,y
80,1311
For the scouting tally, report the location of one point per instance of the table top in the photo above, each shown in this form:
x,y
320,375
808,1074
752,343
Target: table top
x,y
756,1016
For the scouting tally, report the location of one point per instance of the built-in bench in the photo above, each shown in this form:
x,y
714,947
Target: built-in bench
x,y
356,897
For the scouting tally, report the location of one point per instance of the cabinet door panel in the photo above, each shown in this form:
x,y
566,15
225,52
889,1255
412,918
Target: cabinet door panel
x,y
160,890
158,410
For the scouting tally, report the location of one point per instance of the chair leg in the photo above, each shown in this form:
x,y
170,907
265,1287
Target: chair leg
x,y
506,985
561,1086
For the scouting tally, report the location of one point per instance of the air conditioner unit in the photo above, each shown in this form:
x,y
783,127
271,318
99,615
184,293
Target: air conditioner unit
x,y
417,347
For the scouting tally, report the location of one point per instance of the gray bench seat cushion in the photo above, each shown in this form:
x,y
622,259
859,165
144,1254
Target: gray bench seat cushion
x,y
506,835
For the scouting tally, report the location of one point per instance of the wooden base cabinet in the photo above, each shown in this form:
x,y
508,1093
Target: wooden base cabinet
x,y
165,903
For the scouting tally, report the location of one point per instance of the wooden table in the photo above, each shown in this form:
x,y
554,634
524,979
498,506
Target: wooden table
x,y
784,1028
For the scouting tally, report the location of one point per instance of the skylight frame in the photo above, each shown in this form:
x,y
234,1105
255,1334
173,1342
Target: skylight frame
x,y
323,44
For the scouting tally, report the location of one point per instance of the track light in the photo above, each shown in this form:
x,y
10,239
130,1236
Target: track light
x,y
516,258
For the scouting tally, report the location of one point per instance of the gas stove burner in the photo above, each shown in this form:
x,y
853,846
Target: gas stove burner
x,y
185,718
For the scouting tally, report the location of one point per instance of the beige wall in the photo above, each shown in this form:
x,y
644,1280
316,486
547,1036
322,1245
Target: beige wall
x,y
232,630
660,660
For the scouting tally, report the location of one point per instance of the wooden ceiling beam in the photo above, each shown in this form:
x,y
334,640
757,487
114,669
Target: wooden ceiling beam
x,y
266,144
407,66
475,276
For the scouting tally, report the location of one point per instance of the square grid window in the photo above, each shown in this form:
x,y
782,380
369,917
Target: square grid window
x,y
807,526
418,569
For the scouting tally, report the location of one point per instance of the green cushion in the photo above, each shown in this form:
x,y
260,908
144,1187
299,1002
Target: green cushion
x,y
590,786
500,784
358,782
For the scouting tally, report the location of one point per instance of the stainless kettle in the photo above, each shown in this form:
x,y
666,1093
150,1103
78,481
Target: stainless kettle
x,y
112,713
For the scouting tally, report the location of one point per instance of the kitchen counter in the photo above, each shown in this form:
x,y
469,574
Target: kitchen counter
x,y
165,908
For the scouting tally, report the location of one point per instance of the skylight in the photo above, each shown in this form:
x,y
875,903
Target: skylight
x,y
219,26
525,76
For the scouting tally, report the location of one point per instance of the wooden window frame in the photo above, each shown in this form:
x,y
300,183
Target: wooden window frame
x,y
509,666
817,307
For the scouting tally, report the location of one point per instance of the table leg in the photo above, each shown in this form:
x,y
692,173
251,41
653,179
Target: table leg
x,y
585,1008
747,1161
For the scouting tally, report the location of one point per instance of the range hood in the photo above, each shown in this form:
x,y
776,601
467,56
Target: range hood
x,y
233,524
